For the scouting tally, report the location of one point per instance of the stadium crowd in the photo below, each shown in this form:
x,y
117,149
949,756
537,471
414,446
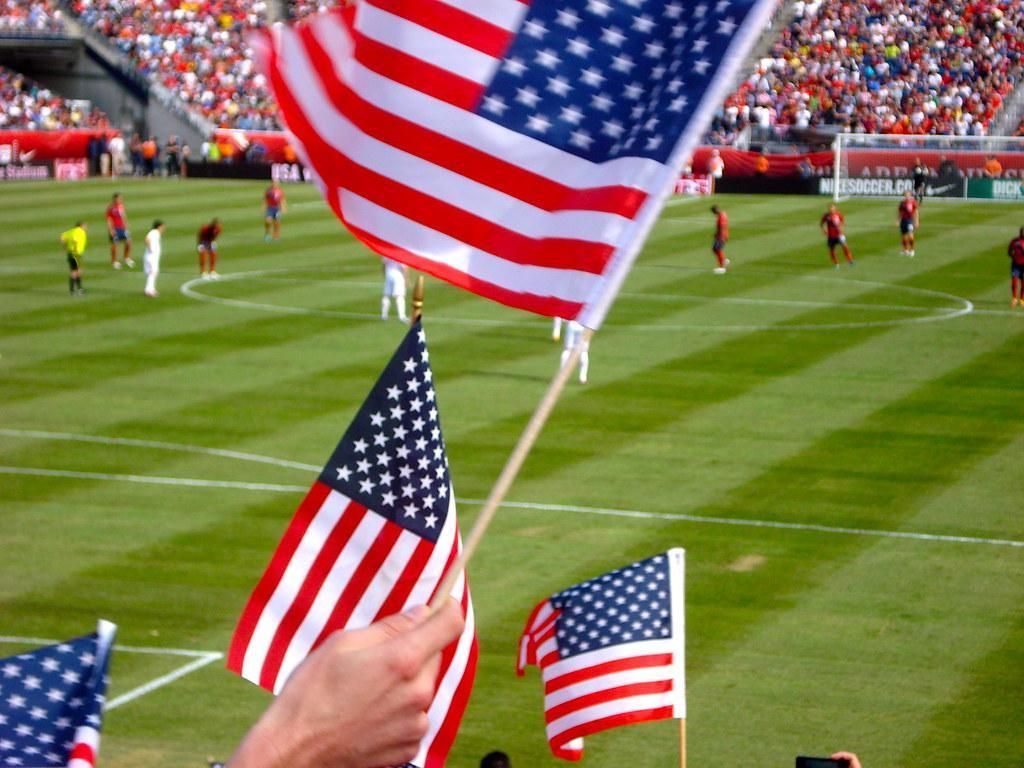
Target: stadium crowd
x,y
884,66
24,104
31,17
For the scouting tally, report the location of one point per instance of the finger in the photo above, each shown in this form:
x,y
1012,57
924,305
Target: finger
x,y
388,628
440,630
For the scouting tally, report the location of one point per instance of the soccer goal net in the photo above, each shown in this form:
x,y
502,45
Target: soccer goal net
x,y
963,167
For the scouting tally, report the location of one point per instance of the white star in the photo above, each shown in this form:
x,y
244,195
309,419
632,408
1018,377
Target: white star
x,y
423,462
386,478
578,46
379,439
388,499
363,466
701,66
602,101
623,63
31,683
429,500
651,124
408,491
538,123
383,459
424,483
359,446
366,486
559,86
377,419
568,19
495,105
674,85
548,58
700,11
416,404
592,77
633,91
412,385
721,5
400,433
443,491
612,128
534,29
393,393
411,510
417,425
439,471
571,115
410,365
13,670
527,96
514,66
397,413
581,139
431,520
433,414
612,36
643,24
654,50
435,434
598,7
679,31
677,105
673,10
405,471
402,451
6,745
55,694
37,713
727,26
421,444
15,701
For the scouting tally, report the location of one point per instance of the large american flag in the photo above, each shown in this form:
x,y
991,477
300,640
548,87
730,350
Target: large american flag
x,y
519,149
611,651
51,702
373,537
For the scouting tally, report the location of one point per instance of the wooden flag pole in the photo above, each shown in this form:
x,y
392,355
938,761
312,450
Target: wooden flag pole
x,y
417,301
682,742
511,469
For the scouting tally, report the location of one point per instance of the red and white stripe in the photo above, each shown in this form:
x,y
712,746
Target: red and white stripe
x,y
86,748
379,103
341,566
617,685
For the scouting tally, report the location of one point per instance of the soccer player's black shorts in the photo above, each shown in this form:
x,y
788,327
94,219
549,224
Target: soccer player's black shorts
x,y
907,226
834,241
73,262
718,245
1017,270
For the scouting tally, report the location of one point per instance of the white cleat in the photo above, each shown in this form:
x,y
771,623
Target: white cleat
x,y
719,270
115,264
130,263
214,275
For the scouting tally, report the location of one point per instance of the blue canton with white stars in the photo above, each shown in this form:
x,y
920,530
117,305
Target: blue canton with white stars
x,y
44,696
610,78
629,605
392,458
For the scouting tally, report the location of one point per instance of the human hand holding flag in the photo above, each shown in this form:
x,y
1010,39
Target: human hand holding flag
x,y
373,537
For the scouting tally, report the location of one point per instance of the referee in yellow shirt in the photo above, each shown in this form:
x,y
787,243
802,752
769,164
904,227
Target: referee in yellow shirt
x,y
74,243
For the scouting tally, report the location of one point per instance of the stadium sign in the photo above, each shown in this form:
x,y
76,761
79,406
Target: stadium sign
x,y
24,172
296,172
996,189
890,187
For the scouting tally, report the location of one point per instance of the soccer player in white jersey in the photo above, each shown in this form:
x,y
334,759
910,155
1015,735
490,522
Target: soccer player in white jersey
x,y
394,288
573,333
151,259
556,328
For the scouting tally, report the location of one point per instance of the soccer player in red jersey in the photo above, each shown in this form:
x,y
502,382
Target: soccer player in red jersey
x,y
275,206
832,224
117,228
909,222
1016,254
721,238
206,245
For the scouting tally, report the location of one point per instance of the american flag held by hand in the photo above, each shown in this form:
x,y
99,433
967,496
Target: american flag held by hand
x,y
520,149
51,702
611,651
374,536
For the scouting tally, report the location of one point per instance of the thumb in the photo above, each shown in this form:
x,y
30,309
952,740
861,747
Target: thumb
x,y
385,629
439,630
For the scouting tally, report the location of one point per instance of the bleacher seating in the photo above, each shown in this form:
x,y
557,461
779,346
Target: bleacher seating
x,y
27,105
885,66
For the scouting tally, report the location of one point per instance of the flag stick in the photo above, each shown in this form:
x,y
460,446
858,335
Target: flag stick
x,y
682,742
512,467
417,301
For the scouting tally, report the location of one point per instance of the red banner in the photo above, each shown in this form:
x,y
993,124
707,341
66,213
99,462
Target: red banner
x,y
741,163
34,146
264,146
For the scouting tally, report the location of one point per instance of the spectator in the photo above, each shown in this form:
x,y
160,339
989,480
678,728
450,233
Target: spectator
x,y
31,17
25,104
495,760
118,160
716,165
805,169
172,153
150,151
761,165
135,150
993,168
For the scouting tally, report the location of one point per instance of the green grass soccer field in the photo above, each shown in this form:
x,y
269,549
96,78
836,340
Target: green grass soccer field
x,y
839,451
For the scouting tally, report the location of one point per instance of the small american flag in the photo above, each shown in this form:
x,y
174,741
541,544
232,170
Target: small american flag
x,y
520,149
611,651
373,537
51,702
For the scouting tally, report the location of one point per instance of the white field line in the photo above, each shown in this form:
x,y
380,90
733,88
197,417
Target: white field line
x,y
200,659
602,511
929,314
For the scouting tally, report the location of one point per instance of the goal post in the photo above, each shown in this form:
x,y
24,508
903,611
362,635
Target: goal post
x,y
957,167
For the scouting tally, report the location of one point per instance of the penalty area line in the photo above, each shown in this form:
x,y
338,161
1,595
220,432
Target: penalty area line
x,y
535,506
